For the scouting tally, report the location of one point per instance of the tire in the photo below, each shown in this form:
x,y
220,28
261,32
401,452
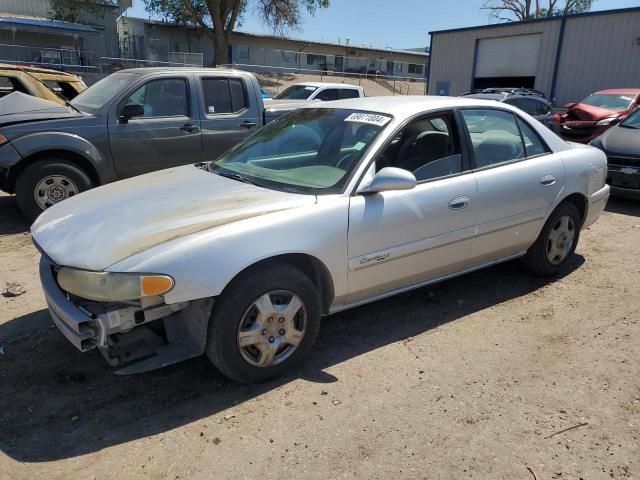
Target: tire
x,y
66,179
236,315
537,260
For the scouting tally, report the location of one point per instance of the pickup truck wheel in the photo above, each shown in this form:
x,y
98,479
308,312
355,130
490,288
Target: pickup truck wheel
x,y
48,182
263,324
556,243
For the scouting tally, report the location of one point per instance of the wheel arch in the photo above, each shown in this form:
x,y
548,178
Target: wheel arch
x,y
581,203
308,264
78,160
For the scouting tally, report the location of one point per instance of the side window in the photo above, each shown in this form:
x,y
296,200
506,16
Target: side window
x,y
529,106
495,136
223,95
9,85
533,144
348,93
542,108
428,147
328,95
166,97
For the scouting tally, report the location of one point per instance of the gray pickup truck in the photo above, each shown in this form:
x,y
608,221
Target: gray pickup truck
x,y
131,122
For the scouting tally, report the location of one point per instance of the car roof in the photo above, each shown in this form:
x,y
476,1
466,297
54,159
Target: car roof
x,y
325,84
405,106
620,91
34,69
489,96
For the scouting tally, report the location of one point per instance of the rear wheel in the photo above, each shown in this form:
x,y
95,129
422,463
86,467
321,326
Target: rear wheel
x,y
556,243
48,182
263,324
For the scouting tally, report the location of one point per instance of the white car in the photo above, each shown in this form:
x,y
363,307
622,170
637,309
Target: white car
x,y
319,91
324,209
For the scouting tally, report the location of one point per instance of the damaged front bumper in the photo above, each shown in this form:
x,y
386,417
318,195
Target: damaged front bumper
x,y
120,331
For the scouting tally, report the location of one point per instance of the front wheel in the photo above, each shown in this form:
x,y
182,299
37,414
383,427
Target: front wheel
x,y
556,243
263,324
48,182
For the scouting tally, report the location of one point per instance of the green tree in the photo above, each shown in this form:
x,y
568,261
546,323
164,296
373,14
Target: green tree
x,y
219,18
517,10
75,10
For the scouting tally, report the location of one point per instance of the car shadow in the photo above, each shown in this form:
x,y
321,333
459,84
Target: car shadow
x,y
11,219
624,206
58,403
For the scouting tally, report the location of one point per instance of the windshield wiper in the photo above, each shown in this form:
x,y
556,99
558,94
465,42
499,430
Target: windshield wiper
x,y
238,177
57,94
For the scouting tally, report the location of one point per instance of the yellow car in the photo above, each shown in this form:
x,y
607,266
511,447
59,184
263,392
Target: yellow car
x,y
39,82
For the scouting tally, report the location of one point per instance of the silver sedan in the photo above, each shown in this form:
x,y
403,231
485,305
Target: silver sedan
x,y
327,208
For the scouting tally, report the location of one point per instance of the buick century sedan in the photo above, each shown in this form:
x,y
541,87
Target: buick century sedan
x,y
327,208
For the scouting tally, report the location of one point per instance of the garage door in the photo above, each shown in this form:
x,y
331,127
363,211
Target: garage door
x,y
515,56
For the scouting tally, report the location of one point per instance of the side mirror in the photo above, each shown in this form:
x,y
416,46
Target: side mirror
x,y
570,105
388,179
129,111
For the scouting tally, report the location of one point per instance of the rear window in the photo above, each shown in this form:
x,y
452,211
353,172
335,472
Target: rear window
x,y
65,89
224,95
610,101
348,93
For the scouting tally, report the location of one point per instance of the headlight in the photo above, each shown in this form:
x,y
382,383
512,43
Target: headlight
x,y
113,287
3,139
607,121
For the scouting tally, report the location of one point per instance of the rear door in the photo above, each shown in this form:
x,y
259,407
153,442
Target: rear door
x,y
518,180
229,112
167,135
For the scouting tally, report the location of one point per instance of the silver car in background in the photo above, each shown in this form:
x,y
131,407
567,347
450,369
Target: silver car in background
x,y
329,207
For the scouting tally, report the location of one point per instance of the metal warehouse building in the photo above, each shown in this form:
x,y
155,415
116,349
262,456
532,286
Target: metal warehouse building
x,y
565,57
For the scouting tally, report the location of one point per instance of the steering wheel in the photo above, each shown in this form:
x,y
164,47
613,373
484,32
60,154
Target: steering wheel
x,y
347,160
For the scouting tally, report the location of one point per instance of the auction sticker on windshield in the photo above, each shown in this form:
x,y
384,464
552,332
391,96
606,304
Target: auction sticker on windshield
x,y
370,118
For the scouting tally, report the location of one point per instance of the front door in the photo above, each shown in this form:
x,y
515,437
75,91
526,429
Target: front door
x,y
398,239
390,69
339,63
167,135
518,178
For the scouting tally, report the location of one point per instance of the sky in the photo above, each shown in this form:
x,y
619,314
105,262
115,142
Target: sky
x,y
393,24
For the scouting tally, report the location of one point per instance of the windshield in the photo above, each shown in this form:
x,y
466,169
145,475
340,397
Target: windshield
x,y
609,101
306,151
632,121
296,92
100,94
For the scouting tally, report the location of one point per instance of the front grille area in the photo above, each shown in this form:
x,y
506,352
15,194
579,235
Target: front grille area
x,y
624,161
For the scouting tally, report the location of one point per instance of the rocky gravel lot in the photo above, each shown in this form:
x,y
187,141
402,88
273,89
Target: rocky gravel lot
x,y
494,375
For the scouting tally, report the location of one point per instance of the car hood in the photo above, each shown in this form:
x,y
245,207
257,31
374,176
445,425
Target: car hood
x,y
19,107
621,141
582,111
103,226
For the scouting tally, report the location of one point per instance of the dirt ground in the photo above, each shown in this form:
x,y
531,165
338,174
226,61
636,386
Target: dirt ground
x,y
476,377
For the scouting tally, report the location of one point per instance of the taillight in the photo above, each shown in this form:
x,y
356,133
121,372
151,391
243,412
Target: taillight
x,y
557,117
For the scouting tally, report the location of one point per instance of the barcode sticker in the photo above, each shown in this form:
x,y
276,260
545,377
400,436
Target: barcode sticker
x,y
370,118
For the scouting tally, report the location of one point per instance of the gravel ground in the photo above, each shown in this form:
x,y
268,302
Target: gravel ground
x,y
477,377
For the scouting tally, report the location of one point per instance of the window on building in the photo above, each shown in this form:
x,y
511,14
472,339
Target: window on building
x,y
242,54
415,68
313,59
224,95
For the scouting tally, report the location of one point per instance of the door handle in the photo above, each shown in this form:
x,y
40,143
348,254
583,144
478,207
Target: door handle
x,y
548,180
187,127
248,124
459,203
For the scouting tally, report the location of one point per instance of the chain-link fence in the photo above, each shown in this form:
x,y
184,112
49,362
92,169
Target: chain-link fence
x,y
275,79
58,58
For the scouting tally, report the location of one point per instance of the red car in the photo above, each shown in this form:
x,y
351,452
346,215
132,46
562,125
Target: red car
x,y
589,118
